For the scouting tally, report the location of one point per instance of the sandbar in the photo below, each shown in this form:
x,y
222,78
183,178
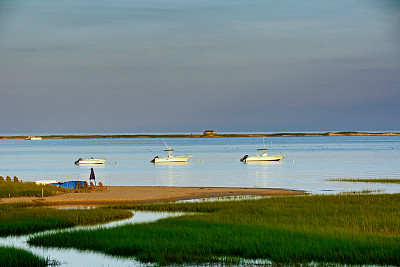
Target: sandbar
x,y
148,194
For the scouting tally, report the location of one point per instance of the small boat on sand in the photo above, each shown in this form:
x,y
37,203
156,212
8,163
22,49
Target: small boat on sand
x,y
171,157
263,157
90,161
44,182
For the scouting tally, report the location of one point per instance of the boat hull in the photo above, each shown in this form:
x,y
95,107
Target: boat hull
x,y
265,158
171,159
92,161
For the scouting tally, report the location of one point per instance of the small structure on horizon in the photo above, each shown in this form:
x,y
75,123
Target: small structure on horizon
x,y
209,133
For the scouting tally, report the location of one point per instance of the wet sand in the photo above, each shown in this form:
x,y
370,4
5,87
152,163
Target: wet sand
x,y
147,194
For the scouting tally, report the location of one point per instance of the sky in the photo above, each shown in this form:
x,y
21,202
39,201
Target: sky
x,y
139,66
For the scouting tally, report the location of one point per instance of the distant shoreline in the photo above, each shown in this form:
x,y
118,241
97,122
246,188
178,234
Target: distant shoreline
x,y
216,135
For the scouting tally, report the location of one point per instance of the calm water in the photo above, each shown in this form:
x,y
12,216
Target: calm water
x,y
308,163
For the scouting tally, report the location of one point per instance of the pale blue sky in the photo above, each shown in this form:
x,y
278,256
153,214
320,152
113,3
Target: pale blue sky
x,y
185,65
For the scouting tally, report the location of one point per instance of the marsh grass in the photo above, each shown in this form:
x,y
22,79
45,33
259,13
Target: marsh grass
x,y
24,218
367,180
18,257
345,229
20,189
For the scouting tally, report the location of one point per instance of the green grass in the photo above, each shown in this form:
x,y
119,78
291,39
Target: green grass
x,y
20,189
18,257
340,229
23,218
368,180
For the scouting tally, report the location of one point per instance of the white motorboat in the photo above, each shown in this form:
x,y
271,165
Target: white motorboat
x,y
263,157
33,138
171,157
90,161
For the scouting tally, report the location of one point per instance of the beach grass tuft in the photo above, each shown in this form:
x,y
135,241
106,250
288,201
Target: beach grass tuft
x,y
330,229
367,180
18,257
24,218
22,189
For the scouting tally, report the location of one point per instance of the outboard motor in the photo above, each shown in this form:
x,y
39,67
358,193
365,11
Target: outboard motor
x,y
244,158
77,162
154,160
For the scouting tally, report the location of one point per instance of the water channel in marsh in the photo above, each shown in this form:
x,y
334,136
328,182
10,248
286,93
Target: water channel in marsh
x,y
74,257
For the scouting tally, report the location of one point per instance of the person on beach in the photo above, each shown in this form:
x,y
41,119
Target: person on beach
x,y
92,177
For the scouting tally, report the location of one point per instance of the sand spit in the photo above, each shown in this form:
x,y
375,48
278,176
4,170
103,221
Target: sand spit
x,y
147,194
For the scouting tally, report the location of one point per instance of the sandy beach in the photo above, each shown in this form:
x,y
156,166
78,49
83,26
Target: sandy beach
x,y
146,194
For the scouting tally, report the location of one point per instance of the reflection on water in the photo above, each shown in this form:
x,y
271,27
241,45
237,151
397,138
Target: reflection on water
x,y
170,169
171,164
73,257
263,162
88,166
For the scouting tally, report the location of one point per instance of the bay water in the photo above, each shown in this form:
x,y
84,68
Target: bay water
x,y
308,163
